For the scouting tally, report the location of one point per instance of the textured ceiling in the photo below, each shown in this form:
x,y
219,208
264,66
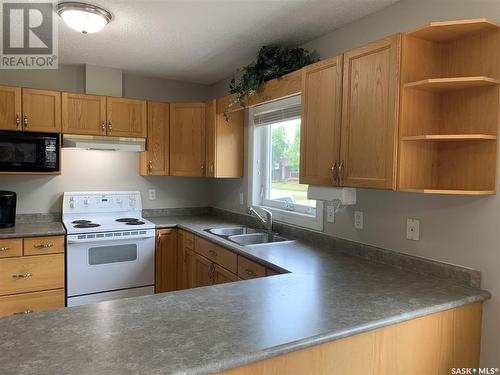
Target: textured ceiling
x,y
205,40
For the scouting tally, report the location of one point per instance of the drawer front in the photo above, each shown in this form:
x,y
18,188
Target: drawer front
x,y
31,302
188,240
43,245
271,272
216,254
11,247
31,274
248,269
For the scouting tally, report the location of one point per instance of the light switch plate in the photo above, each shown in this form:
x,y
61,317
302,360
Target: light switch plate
x,y
412,229
358,219
152,194
330,214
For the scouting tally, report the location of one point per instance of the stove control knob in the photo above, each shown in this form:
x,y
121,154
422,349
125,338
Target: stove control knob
x,y
71,204
86,202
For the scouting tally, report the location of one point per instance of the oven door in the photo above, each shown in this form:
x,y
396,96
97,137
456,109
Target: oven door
x,y
29,152
108,264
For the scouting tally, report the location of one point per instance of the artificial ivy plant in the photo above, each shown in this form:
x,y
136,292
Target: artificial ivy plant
x,y
271,63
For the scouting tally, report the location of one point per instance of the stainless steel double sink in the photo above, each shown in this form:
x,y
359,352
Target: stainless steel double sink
x,y
246,236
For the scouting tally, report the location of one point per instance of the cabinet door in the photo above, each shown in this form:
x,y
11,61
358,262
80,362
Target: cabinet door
x,y
166,260
229,145
10,108
210,123
222,276
370,113
41,110
83,114
187,139
202,271
320,124
126,117
155,161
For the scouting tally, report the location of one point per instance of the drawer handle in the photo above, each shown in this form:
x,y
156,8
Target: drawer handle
x,y
24,312
44,245
22,276
213,253
4,248
250,272
189,242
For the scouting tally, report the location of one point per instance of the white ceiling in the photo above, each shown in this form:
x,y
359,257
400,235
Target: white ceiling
x,y
203,40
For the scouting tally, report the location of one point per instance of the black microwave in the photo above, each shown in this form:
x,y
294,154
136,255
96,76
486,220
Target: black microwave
x,y
29,152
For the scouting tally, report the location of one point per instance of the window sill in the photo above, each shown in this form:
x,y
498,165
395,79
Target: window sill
x,y
297,218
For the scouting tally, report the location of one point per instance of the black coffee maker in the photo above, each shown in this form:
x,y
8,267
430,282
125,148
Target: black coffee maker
x,y
7,209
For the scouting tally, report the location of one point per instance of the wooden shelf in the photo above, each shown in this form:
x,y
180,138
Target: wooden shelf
x,y
450,137
452,192
452,84
448,31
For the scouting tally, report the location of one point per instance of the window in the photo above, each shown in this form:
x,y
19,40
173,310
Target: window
x,y
275,160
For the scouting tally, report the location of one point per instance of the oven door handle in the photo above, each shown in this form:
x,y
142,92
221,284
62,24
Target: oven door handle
x,y
108,239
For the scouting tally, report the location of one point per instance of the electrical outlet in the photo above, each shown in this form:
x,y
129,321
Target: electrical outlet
x,y
358,219
152,194
242,198
412,229
330,214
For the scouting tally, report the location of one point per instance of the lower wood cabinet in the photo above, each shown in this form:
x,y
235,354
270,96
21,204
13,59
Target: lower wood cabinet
x,y
185,261
26,303
166,261
31,274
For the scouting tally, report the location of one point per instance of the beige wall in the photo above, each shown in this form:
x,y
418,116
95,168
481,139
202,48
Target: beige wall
x,y
104,170
460,230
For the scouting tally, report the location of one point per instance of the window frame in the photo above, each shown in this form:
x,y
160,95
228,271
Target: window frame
x,y
258,158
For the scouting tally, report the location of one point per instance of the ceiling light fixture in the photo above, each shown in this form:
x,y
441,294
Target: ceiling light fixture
x,y
82,17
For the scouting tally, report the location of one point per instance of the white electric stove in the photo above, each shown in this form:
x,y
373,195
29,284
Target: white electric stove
x,y
110,247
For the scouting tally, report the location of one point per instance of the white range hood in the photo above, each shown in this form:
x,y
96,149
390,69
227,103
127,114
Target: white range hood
x,y
95,142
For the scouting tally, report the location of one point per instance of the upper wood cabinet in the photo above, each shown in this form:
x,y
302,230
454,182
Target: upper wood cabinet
x,y
166,261
155,160
10,108
187,139
126,117
448,131
41,110
370,115
321,120
224,147
83,114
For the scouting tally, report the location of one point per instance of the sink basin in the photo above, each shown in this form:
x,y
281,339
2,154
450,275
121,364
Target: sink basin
x,y
256,238
232,231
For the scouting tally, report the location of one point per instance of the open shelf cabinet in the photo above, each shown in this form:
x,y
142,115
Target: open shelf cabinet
x,y
448,130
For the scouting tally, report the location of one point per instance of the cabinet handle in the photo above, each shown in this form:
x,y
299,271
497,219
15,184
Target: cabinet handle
x,y
211,167
110,127
341,173
202,168
44,245
103,127
211,271
150,166
4,248
213,253
189,242
250,272
24,312
25,120
22,276
18,119
335,174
